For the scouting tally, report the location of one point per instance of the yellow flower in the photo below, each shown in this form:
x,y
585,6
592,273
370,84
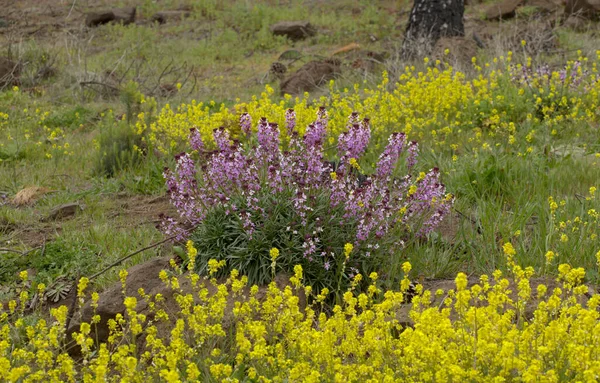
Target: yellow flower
x,y
354,163
81,286
406,267
348,247
508,249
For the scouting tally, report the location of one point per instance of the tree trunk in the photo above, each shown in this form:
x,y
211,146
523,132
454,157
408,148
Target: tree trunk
x,y
430,20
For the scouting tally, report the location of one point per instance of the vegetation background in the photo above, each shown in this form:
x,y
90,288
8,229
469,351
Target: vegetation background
x,y
69,134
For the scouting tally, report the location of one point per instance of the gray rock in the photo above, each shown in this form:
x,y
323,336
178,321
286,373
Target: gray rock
x,y
117,15
502,10
294,30
145,276
310,76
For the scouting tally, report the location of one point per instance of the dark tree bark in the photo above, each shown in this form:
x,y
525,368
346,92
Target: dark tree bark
x,y
429,20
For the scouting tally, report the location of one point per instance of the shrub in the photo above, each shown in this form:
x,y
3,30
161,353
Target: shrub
x,y
246,197
117,148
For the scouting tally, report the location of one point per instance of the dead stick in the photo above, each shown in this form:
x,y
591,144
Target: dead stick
x,y
118,261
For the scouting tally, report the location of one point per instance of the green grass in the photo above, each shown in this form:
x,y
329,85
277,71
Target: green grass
x,y
224,49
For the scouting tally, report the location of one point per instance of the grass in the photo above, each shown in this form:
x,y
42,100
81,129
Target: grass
x,y
225,52
78,139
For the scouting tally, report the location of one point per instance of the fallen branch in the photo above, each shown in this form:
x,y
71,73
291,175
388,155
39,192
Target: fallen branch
x,y
21,253
120,260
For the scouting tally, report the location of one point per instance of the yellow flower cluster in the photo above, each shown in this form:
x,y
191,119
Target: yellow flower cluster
x,y
496,329
439,106
24,129
574,233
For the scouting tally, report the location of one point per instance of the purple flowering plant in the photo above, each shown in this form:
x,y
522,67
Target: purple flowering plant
x,y
243,198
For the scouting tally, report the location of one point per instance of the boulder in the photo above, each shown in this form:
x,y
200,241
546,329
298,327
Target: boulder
x,y
117,15
164,16
110,304
145,276
94,19
460,50
293,30
364,60
310,76
502,10
589,9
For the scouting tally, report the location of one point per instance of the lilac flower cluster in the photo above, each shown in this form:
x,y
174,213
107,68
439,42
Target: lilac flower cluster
x,y
572,77
354,142
246,124
196,140
239,178
290,120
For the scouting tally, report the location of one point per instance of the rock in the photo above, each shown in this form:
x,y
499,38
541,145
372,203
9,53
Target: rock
x,y
460,50
110,303
145,276
9,72
293,30
164,16
503,10
63,211
98,18
310,76
118,15
589,9
365,60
